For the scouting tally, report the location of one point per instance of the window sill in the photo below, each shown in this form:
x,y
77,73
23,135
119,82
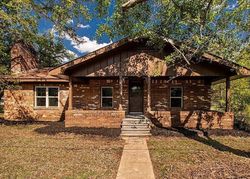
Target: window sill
x,y
107,108
176,108
44,108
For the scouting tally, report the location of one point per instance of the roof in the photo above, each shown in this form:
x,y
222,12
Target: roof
x,y
37,75
241,70
56,74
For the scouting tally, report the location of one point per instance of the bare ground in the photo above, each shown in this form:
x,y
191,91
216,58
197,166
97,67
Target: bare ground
x,y
200,157
50,151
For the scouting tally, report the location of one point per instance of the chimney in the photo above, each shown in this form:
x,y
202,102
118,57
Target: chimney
x,y
23,58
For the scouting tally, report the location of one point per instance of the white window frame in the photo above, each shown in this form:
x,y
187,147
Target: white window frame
x,y
174,97
47,97
103,87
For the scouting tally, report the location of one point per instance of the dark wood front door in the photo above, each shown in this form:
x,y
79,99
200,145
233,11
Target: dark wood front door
x,y
135,95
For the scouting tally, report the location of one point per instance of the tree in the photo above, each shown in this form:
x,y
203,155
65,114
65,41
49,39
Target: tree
x,y
220,26
240,93
19,20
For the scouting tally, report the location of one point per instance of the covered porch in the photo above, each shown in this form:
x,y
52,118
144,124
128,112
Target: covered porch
x,y
131,77
182,102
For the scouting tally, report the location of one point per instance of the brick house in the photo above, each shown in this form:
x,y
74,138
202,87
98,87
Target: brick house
x,y
126,77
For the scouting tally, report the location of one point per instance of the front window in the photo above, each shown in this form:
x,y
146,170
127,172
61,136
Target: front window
x,y
47,97
107,97
176,97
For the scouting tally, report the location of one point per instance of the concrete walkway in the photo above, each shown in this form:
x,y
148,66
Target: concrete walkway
x,y
135,162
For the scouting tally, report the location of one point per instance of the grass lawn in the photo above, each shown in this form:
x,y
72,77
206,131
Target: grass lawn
x,y
200,157
27,153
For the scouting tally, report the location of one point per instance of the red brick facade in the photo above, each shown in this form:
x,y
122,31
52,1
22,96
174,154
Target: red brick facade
x,y
193,119
81,80
19,104
23,58
94,118
87,110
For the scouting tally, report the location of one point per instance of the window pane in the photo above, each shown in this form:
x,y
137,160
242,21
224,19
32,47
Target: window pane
x,y
176,102
106,92
40,91
41,101
53,92
106,102
176,92
53,101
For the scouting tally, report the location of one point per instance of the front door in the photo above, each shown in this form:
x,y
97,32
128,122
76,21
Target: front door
x,y
135,95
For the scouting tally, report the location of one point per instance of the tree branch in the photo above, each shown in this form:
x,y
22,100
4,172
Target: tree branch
x,y
172,44
131,3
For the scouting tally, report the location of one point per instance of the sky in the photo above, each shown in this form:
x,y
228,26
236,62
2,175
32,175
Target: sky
x,y
85,31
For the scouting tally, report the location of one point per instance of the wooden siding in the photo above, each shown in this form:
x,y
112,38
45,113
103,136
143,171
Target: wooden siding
x,y
141,62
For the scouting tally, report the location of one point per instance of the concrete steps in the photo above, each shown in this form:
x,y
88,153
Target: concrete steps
x,y
135,125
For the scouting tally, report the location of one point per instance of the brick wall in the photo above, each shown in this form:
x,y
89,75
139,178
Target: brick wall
x,y
87,95
23,58
19,104
196,94
94,118
193,119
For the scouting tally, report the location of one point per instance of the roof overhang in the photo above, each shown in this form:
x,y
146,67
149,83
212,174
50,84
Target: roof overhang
x,y
238,70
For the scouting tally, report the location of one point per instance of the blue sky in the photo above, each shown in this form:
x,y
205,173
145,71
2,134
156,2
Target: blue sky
x,y
86,31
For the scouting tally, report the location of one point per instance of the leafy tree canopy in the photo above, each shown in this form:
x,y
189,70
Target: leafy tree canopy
x,y
219,26
19,20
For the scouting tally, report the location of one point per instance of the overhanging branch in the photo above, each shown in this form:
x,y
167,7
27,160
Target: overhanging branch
x,y
131,3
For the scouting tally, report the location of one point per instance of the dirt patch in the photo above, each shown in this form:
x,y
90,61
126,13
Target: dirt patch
x,y
215,157
53,128
181,132
30,151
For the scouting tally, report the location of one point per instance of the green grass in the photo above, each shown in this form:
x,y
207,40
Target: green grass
x,y
25,153
217,157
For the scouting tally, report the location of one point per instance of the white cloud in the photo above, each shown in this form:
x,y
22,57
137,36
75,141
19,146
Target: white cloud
x,y
70,21
85,44
83,26
73,54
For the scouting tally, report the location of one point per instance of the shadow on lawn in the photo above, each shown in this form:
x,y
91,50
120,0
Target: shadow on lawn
x,y
53,128
211,142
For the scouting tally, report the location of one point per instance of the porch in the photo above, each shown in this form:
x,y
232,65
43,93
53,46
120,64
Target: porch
x,y
105,102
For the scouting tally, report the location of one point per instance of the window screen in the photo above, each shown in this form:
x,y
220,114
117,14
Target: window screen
x,y
176,97
107,97
47,96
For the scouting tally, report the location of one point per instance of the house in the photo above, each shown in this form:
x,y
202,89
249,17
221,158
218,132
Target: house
x,y
126,77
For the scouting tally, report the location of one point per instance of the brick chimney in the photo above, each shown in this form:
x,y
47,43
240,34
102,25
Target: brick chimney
x,y
23,58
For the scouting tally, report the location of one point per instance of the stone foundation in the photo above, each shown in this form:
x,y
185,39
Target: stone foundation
x,y
94,118
193,119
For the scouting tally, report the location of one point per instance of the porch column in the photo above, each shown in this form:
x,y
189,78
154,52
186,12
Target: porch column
x,y
120,88
149,94
70,94
227,94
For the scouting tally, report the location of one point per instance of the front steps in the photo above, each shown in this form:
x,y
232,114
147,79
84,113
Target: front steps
x,y
135,126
